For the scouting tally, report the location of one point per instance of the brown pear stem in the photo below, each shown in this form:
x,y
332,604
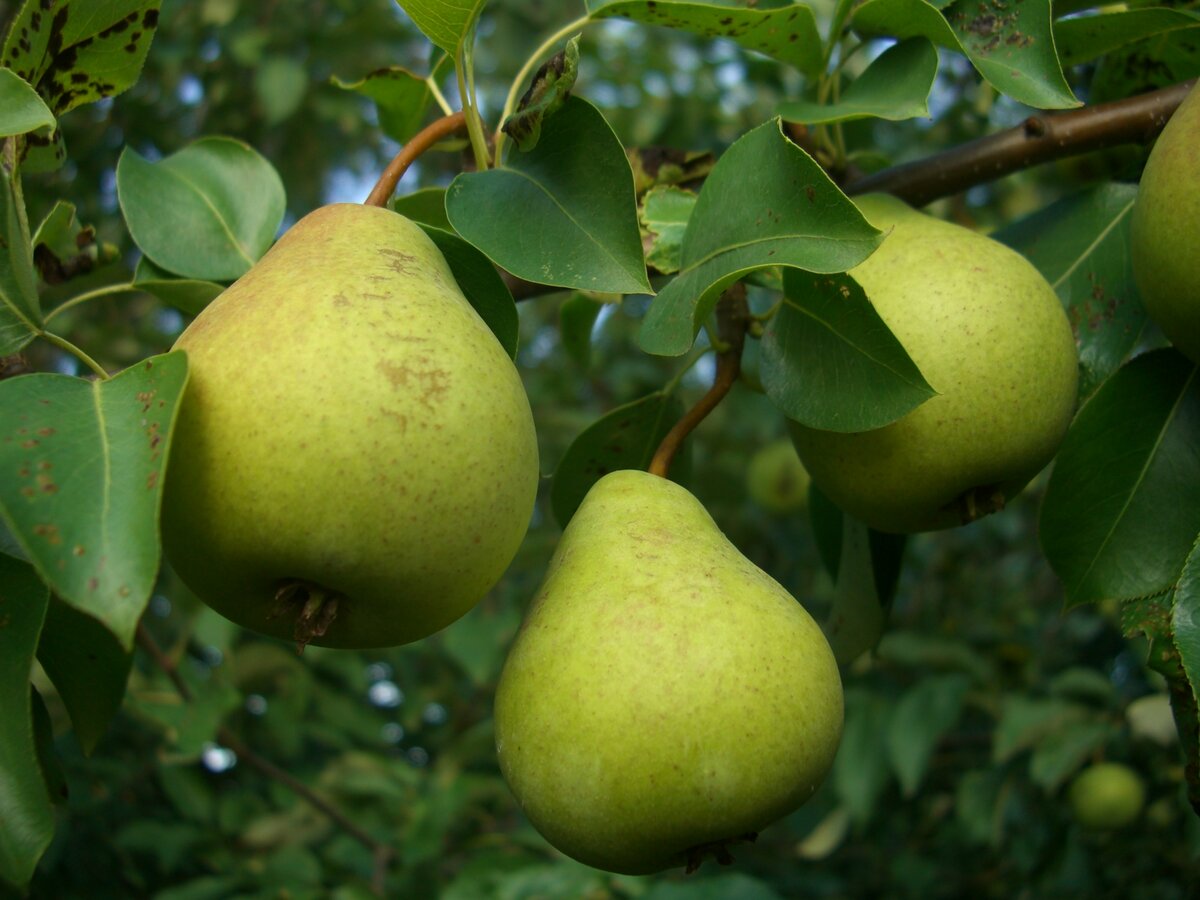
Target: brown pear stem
x,y
733,317
418,144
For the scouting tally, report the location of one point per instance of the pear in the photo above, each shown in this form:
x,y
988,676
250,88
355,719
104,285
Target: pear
x,y
776,479
990,336
354,461
664,698
1166,226
1107,796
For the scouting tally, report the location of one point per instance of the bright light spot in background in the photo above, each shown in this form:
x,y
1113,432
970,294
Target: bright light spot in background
x,y
385,695
392,732
256,705
160,606
378,671
418,756
434,714
217,759
190,91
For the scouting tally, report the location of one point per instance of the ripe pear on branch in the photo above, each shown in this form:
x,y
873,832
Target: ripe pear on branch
x,y
355,461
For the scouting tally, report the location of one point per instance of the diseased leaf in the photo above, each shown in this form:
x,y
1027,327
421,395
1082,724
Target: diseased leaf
x,y
551,87
664,216
87,460
402,98
1082,39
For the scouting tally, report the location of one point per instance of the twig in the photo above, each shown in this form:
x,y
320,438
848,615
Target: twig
x,y
1037,140
733,316
383,854
418,144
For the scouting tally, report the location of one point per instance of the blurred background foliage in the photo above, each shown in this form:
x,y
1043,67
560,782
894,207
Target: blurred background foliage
x,y
963,730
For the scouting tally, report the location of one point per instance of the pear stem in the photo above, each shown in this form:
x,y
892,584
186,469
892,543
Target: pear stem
x,y
418,144
733,317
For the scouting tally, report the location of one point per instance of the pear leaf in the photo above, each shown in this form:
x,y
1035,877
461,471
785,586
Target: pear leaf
x,y
21,109
89,459
1185,623
426,206
562,214
188,295
445,22
206,212
20,311
894,86
1083,39
28,821
551,86
868,567
925,714
482,285
664,215
765,203
401,97
787,33
576,317
1122,506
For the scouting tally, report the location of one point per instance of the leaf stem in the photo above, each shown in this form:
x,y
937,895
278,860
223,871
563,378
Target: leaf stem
x,y
105,291
438,96
474,125
418,144
514,91
63,344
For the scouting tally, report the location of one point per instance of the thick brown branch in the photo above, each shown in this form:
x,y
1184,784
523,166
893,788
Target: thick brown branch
x,y
732,318
418,144
383,854
1037,140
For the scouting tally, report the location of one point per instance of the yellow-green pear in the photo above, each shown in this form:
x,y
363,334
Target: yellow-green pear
x,y
1166,229
990,336
355,460
1106,796
776,479
665,698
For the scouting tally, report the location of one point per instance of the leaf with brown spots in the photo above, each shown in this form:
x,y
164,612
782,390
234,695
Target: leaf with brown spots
x,y
83,463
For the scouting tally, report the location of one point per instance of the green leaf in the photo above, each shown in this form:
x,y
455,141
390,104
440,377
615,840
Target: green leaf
x,y
27,823
860,771
1086,38
479,640
574,197
1123,503
21,109
980,803
445,22
735,886
1081,245
207,212
84,463
1026,721
482,285
624,438
1060,753
188,725
89,669
664,216
551,87
924,715
868,567
426,206
576,318
401,97
1185,623
786,33
830,362
189,295
20,311
765,203
1011,46
894,86
280,84
75,53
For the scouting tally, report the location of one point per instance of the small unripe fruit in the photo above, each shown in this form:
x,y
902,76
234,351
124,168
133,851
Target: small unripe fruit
x,y
1107,796
776,479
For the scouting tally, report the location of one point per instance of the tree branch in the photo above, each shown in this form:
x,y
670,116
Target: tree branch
x,y
1037,140
417,144
383,854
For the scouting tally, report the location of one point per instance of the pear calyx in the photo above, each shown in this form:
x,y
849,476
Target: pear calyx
x,y
318,608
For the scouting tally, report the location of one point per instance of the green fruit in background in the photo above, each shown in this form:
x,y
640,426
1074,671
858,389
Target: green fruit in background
x,y
351,430
1106,796
665,698
989,334
1166,229
776,479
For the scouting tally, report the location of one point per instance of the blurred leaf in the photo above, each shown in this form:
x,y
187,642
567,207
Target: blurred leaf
x,y
1146,65
664,216
894,86
21,109
171,845
89,458
482,285
827,836
1086,38
788,33
922,652
578,212
1060,753
1083,684
188,725
207,212
27,823
576,318
1080,244
1011,46
43,735
188,295
1123,503
89,669
826,518
280,84
20,310
1185,623
76,53
830,362
766,203
868,566
861,771
1027,721
550,88
445,22
924,715
188,792
979,806
426,206
717,887
1150,717
402,98
624,438
477,642
209,887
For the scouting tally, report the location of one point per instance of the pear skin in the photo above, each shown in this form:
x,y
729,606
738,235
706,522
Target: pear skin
x,y
351,429
665,697
991,337
1166,229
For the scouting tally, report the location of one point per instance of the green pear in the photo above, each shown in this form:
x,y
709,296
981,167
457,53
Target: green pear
x,y
1106,796
990,336
1166,228
776,479
355,453
665,698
